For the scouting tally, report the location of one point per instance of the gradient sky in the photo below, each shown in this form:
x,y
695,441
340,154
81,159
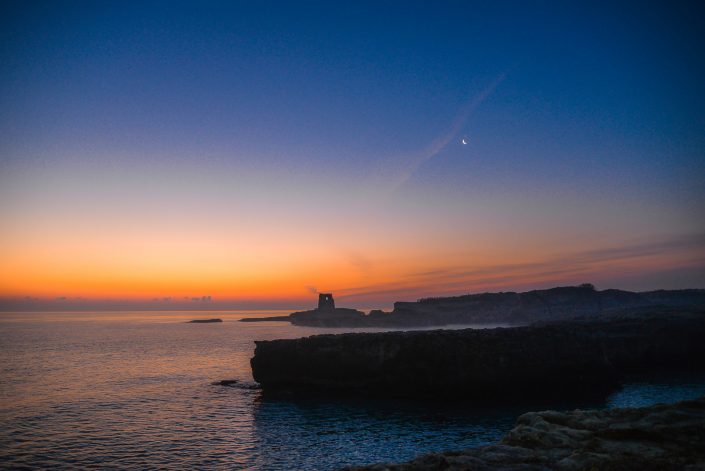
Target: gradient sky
x,y
256,152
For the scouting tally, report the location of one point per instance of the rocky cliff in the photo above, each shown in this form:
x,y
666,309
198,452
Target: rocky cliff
x,y
552,359
662,437
532,306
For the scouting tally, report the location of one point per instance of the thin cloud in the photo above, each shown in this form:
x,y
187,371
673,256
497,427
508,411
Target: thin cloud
x,y
311,289
585,266
409,165
644,249
359,261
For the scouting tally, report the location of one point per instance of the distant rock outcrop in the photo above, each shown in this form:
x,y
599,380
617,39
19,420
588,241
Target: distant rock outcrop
x,y
336,317
553,359
204,321
325,315
333,317
661,437
266,319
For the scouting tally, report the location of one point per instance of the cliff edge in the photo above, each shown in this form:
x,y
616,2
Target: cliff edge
x,y
551,359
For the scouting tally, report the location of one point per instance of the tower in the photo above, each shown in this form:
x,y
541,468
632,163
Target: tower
x,y
325,301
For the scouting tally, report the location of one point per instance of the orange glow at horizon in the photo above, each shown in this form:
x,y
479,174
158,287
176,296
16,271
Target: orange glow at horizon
x,y
366,246
271,272
146,156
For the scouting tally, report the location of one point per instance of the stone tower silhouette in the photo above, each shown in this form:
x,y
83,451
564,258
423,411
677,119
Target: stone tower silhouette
x,y
325,301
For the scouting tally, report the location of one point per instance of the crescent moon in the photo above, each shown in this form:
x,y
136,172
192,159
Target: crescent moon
x,y
464,141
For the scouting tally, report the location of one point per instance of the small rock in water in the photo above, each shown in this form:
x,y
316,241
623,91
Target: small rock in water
x,y
234,383
225,382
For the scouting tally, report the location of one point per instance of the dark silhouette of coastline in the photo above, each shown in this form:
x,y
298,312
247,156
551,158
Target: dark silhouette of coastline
x,y
266,319
507,308
547,359
568,343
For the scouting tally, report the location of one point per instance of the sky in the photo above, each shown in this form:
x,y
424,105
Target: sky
x,y
250,154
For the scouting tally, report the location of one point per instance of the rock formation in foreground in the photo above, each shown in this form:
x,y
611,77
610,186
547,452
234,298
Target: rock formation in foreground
x,y
661,437
496,308
551,359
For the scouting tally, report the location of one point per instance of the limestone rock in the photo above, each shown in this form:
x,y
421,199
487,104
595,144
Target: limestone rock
x,y
661,437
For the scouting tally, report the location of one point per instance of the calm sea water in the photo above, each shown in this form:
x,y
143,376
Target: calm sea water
x,y
133,390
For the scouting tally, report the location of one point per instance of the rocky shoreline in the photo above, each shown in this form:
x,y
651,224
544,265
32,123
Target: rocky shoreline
x,y
660,437
543,360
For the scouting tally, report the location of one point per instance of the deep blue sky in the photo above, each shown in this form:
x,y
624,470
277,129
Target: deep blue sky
x,y
591,112
359,78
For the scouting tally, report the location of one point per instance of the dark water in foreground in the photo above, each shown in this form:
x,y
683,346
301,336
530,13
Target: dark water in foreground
x,y
133,390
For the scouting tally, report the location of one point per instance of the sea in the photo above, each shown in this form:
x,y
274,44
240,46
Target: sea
x,y
135,390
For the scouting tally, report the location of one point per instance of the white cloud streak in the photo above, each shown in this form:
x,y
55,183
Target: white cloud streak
x,y
440,143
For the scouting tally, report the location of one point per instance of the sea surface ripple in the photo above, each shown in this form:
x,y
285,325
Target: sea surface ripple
x,y
135,390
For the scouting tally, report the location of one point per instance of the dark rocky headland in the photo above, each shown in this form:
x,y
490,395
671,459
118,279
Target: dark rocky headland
x,y
494,308
550,359
661,437
204,321
579,343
